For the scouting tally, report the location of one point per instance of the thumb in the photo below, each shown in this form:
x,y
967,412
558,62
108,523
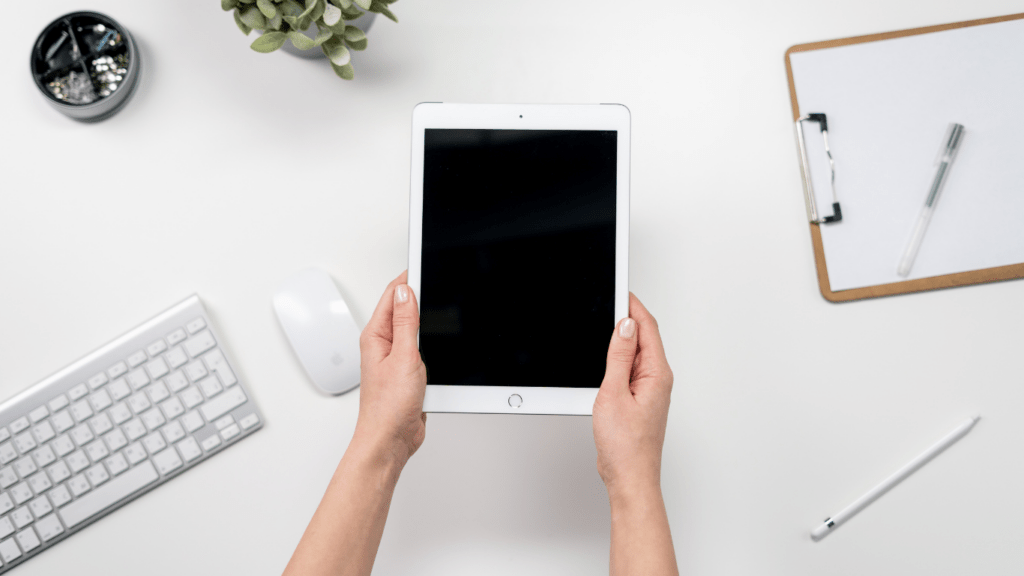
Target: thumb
x,y
621,352
405,321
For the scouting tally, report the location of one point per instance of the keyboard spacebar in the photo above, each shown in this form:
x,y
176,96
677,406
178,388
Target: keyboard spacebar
x,y
103,497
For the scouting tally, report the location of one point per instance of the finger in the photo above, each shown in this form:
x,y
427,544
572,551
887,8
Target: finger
x,y
649,334
405,321
378,333
621,352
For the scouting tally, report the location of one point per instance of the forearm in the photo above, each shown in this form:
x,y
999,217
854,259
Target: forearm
x,y
641,541
343,536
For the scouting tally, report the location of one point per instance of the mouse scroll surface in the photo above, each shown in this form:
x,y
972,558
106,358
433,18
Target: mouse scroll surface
x,y
321,330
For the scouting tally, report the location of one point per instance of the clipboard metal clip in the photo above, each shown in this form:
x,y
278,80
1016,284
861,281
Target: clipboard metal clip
x,y
805,170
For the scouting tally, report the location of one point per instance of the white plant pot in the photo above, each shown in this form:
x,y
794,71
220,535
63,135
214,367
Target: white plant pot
x,y
363,23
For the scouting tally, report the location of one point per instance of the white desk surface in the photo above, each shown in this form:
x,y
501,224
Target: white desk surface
x,y
230,169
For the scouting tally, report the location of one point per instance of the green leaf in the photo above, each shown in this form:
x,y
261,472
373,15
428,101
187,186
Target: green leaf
x,y
360,45
267,8
290,8
247,1
339,28
351,13
253,18
323,35
332,15
226,5
345,72
354,34
241,25
382,8
364,4
343,4
269,42
275,22
300,40
337,52
318,10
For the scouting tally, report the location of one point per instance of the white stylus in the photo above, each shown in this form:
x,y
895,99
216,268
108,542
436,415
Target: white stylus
x,y
850,511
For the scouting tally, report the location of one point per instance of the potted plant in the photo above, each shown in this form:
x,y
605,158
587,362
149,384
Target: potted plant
x,y
327,24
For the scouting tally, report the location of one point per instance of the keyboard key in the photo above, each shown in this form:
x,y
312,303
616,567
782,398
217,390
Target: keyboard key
x,y
135,453
230,432
82,435
119,389
44,432
139,402
224,422
49,527
175,382
116,370
157,368
6,528
25,467
192,397
211,442
38,414
196,371
77,461
21,493
158,393
153,419
97,451
7,477
116,464
7,453
39,482
211,386
97,380
60,496
40,507
172,408
78,391
167,461
189,449
156,348
22,517
176,357
216,362
62,421
4,434
28,539
101,424
154,443
103,497
249,421
173,432
59,402
19,425
44,456
192,421
176,337
137,358
120,413
59,472
9,550
223,404
195,325
134,429
6,505
81,411
97,475
199,343
24,442
137,378
79,485
100,401
115,440
62,445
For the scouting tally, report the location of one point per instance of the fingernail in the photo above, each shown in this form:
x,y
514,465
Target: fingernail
x,y
627,328
401,294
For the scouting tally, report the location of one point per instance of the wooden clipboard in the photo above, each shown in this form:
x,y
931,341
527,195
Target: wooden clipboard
x,y
1009,272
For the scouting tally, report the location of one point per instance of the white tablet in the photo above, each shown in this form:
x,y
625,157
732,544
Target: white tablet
x,y
518,247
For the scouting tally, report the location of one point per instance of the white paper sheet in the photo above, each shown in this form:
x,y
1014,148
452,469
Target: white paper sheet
x,y
888,104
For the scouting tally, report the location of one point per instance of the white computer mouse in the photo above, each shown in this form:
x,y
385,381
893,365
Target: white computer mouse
x,y
321,329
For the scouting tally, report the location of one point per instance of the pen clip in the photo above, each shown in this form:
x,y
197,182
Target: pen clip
x,y
805,171
950,143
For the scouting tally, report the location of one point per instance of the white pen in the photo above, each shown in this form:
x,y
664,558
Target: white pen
x,y
850,511
950,145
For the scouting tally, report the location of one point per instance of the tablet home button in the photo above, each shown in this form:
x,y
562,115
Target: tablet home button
x,y
515,400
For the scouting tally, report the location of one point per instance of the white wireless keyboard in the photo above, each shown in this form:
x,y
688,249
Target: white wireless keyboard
x,y
114,425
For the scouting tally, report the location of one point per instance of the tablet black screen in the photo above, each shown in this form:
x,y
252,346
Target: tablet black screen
x,y
518,262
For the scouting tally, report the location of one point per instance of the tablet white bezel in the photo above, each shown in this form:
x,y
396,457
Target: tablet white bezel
x,y
535,400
